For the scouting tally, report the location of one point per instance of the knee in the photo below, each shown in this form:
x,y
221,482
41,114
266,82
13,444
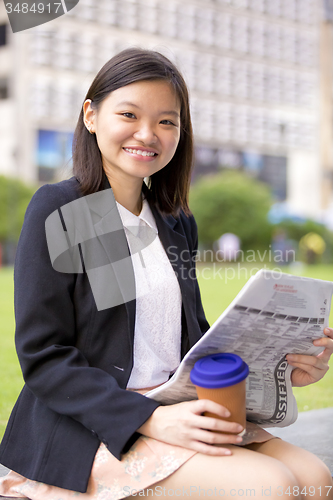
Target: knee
x,y
317,475
325,477
282,484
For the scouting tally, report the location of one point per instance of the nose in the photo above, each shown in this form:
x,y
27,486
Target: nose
x,y
146,134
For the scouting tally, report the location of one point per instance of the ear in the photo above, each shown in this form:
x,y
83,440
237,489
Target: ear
x,y
88,115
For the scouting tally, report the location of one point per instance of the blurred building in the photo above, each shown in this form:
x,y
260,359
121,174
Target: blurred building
x,y
259,73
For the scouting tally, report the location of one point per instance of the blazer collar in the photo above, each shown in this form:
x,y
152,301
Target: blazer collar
x,y
169,229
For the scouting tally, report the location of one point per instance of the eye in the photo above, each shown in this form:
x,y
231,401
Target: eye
x,y
167,122
128,115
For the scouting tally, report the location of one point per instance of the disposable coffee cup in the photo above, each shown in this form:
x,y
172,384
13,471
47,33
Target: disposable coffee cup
x,y
222,378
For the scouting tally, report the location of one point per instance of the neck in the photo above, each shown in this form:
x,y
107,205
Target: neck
x,y
128,195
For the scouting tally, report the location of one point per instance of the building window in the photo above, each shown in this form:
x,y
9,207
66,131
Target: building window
x,y
40,98
240,34
272,85
108,11
240,4
288,45
272,44
306,51
257,39
147,16
240,85
186,22
240,125
289,89
206,161
167,20
274,173
225,2
273,8
41,47
205,73
3,34
129,16
195,114
204,26
222,30
3,88
53,151
257,5
256,83
85,53
223,76
223,123
256,127
306,11
187,61
289,9
87,10
108,48
63,50
307,134
306,91
205,119
272,132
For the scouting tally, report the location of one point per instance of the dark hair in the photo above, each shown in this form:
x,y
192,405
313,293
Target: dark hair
x,y
169,187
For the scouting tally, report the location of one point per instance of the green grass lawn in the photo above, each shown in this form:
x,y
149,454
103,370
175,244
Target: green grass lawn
x,y
11,378
217,293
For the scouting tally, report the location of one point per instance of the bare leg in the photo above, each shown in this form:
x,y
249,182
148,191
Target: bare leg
x,y
312,475
245,473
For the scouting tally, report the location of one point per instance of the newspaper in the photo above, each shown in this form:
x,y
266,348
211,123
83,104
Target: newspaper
x,y
273,315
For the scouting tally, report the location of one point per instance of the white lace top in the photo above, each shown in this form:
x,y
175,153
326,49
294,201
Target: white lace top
x,y
157,334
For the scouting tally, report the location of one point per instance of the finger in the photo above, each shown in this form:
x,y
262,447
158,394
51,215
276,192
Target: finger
x,y
325,355
306,360
207,449
202,405
216,424
314,371
325,342
329,332
214,438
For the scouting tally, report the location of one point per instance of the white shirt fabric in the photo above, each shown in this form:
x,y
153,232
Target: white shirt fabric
x,y
157,333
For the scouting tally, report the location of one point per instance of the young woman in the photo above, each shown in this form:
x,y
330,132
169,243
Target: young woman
x,y
89,347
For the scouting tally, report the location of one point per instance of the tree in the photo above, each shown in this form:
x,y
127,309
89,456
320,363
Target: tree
x,y
232,202
14,199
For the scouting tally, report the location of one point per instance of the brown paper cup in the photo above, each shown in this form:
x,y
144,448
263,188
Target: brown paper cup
x,y
232,397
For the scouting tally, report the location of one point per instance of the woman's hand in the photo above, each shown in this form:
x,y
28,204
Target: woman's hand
x,y
310,369
184,425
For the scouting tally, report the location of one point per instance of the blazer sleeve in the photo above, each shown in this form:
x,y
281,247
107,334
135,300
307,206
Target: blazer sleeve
x,y
53,368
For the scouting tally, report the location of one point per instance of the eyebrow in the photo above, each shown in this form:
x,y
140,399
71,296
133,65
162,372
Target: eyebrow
x,y
128,103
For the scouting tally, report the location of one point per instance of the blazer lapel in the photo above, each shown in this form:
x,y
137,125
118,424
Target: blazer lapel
x,y
114,282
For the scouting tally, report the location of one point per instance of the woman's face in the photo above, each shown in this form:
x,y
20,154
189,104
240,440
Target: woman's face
x,y
137,129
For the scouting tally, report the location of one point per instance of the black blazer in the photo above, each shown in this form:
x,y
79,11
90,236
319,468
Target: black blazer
x,y
76,360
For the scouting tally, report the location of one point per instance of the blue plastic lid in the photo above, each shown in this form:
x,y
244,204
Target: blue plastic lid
x,y
219,370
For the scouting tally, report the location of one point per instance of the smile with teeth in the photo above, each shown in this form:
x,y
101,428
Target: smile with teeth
x,y
140,152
